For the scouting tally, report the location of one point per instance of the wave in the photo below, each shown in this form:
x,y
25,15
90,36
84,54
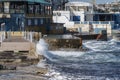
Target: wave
x,y
100,51
100,63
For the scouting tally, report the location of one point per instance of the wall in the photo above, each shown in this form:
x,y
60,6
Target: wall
x,y
61,16
78,13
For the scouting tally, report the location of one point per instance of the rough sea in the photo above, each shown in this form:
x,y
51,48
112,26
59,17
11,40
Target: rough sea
x,y
101,62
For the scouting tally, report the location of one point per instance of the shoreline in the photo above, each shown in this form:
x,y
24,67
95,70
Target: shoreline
x,y
21,67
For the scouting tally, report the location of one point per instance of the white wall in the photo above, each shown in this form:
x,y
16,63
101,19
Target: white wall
x,y
63,18
79,13
108,27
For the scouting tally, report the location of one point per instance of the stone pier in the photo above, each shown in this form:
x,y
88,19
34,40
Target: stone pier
x,y
16,44
63,41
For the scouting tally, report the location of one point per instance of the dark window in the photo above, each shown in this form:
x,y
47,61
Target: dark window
x,y
76,18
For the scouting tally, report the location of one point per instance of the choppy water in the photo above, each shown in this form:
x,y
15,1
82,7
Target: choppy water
x,y
102,62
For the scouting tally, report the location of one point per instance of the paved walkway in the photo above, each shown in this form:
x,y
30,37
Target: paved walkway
x,y
16,44
15,39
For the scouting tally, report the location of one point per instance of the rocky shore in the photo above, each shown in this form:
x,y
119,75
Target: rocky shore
x,y
21,66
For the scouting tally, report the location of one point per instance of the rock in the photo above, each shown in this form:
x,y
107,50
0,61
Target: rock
x,y
17,60
41,71
10,67
6,67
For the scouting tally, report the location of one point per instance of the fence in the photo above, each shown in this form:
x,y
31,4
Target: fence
x,y
2,36
31,36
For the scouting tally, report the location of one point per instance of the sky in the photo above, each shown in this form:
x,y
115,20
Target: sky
x,y
101,1
98,1
104,1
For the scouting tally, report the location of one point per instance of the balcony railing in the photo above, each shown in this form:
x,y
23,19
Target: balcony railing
x,y
37,15
95,22
16,11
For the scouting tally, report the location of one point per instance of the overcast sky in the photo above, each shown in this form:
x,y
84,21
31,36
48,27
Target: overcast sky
x,y
104,1
98,1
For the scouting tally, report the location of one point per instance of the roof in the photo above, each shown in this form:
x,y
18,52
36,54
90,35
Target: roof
x,y
35,1
78,3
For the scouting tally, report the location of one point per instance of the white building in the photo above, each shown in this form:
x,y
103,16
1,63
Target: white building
x,y
74,12
79,16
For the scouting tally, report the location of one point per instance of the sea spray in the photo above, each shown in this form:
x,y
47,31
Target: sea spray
x,y
101,51
105,46
42,49
100,63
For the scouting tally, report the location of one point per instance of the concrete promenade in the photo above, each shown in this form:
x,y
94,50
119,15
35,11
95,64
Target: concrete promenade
x,y
16,43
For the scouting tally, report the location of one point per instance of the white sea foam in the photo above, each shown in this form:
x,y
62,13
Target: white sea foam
x,y
97,47
102,45
101,52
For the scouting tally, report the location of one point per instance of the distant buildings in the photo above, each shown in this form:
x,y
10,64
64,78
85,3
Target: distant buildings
x,y
113,7
36,15
79,16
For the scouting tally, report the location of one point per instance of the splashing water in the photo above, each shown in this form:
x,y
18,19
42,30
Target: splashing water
x,y
101,51
100,63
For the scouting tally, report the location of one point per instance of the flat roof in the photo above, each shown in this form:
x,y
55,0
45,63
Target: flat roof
x,y
102,13
78,3
34,1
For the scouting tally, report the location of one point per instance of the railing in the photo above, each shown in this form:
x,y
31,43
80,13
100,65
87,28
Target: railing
x,y
95,22
37,15
30,36
2,36
17,11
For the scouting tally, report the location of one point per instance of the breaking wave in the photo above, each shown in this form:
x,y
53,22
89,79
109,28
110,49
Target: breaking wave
x,y
101,62
100,51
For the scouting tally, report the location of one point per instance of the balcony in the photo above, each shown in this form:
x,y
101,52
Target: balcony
x,y
95,22
17,11
28,15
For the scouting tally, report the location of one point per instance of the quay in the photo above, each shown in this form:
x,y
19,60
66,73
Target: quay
x,y
67,42
17,41
101,36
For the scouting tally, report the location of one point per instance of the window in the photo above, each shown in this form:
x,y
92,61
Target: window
x,y
30,9
29,22
6,7
36,22
37,9
76,18
41,21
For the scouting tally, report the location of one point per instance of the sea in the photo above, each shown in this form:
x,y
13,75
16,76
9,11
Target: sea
x,y
101,62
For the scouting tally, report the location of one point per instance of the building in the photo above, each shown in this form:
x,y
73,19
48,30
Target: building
x,y
58,4
113,7
74,12
80,16
31,15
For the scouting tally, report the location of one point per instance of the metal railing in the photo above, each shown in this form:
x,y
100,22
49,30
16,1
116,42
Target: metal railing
x,y
2,36
30,36
95,22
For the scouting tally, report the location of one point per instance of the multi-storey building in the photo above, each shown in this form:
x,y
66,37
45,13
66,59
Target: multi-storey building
x,y
32,15
58,4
